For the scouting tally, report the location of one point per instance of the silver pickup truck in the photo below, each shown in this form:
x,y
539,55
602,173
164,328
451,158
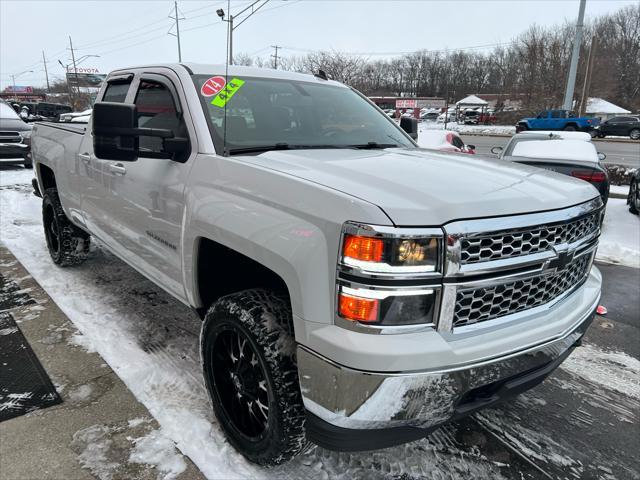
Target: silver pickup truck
x,y
355,290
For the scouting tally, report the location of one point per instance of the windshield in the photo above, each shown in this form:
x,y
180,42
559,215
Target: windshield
x,y
265,114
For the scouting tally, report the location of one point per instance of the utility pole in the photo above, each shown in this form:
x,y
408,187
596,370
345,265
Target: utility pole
x,y
177,35
46,73
230,39
584,100
275,56
575,55
75,69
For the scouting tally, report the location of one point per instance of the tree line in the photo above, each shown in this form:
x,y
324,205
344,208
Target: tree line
x,y
532,68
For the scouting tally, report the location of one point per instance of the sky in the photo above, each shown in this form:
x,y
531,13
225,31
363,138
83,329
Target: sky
x,y
126,33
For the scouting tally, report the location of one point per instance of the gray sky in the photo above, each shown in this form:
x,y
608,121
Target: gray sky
x,y
126,33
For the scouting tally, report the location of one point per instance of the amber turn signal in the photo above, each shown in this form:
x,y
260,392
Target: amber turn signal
x,y
358,309
366,249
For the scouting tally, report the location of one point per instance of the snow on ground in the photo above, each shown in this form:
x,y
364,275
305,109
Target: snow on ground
x,y
620,190
156,449
152,343
469,129
620,240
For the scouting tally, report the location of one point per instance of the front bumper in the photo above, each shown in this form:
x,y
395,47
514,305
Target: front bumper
x,y
351,409
13,152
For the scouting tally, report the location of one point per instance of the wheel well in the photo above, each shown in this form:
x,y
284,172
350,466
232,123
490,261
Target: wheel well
x,y
48,178
221,271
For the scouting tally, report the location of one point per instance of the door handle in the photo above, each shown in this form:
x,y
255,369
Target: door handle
x,y
85,157
117,168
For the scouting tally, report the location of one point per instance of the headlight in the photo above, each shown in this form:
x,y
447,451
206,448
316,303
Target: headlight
x,y
374,266
26,137
370,250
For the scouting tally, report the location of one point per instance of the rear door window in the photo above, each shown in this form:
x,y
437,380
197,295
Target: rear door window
x,y
116,91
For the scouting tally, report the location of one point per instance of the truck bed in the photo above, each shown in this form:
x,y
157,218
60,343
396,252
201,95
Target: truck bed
x,y
78,128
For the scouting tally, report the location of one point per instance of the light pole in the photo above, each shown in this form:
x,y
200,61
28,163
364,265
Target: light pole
x,y
84,57
575,55
220,12
13,80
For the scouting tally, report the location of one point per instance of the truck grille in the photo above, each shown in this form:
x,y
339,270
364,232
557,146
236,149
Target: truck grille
x,y
481,304
10,137
497,246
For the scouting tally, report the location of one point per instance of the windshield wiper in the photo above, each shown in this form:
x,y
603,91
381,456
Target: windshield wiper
x,y
285,146
373,145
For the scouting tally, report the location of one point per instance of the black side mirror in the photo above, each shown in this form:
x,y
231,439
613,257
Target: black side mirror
x,y
471,147
111,123
410,125
116,135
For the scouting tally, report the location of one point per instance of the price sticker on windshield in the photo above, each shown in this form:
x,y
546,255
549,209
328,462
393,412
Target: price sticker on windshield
x,y
212,86
229,91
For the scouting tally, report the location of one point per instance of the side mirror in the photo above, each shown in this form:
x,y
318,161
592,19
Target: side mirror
x,y
601,156
116,135
471,147
410,125
496,150
111,123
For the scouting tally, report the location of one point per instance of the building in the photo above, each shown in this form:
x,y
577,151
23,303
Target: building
x,y
400,104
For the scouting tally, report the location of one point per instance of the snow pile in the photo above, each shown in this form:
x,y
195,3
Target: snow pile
x,y
468,129
157,450
620,239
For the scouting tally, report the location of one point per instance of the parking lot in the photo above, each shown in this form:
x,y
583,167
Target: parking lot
x,y
582,422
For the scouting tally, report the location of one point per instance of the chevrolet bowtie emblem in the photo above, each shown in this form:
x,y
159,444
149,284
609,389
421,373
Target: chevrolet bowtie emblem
x,y
561,262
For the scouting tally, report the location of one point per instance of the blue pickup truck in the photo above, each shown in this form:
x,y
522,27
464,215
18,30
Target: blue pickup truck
x,y
557,120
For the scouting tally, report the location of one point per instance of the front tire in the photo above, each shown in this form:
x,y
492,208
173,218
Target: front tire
x,y
569,128
67,244
248,354
634,198
634,134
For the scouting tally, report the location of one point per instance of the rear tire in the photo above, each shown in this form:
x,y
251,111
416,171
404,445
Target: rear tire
x,y
67,244
248,355
634,134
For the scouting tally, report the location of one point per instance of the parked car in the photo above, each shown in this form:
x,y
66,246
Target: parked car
x,y
557,120
429,116
445,141
619,126
633,199
569,153
355,290
450,117
76,117
15,138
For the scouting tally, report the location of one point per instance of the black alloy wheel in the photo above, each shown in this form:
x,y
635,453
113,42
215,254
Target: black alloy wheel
x,y
241,382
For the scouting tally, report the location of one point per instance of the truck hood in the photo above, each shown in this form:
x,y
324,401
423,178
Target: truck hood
x,y
417,187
